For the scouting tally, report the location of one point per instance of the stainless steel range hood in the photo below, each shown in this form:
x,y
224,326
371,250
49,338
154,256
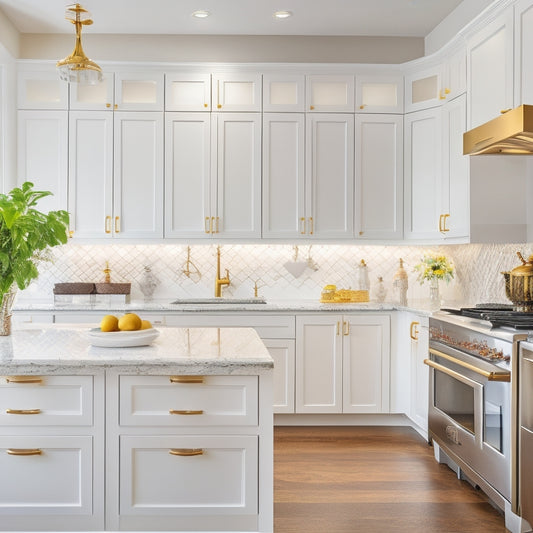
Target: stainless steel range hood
x,y
510,133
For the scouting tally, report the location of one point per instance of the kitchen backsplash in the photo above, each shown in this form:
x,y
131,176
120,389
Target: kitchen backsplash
x,y
478,267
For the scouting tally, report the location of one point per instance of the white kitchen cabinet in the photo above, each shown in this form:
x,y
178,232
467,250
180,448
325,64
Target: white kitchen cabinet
x,y
454,77
423,89
330,94
423,174
41,89
365,363
116,174
213,175
523,49
379,94
122,91
329,176
236,92
43,154
187,92
283,93
490,70
379,176
283,353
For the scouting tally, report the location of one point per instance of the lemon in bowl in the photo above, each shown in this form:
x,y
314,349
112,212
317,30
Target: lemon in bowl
x,y
109,323
146,324
129,322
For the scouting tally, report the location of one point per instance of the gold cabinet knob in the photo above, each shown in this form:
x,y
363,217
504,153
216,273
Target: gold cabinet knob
x,y
311,107
108,105
206,105
115,106
219,106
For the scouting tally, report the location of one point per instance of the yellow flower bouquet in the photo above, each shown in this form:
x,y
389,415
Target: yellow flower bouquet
x,y
433,266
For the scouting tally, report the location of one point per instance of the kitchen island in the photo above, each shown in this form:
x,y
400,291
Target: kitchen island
x,y
175,436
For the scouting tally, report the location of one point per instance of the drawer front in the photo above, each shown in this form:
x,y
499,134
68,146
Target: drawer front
x,y
164,401
159,477
47,475
50,400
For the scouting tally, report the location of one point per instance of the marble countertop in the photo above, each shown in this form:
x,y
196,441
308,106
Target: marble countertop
x,y
202,351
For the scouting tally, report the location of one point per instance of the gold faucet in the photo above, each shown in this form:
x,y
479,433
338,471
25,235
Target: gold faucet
x,y
219,282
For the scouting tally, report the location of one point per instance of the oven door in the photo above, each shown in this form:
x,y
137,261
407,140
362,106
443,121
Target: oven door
x,y
469,414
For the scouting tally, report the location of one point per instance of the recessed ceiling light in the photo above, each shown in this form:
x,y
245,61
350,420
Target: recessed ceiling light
x,y
282,14
200,14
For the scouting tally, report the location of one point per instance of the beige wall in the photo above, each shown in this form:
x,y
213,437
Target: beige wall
x,y
222,48
9,36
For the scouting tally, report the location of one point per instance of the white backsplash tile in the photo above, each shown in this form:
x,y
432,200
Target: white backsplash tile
x,y
478,268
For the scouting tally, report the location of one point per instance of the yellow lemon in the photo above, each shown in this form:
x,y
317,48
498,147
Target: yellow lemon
x,y
146,324
109,323
129,322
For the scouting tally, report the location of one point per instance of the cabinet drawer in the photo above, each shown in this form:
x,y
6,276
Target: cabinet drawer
x,y
217,400
48,475
156,480
50,400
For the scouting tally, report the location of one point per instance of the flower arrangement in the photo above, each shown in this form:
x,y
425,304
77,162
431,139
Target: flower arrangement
x,y
433,266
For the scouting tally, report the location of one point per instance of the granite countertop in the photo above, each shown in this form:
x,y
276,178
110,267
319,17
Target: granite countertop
x,y
64,348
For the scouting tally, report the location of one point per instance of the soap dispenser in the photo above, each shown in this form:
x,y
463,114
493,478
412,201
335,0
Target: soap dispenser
x,y
363,280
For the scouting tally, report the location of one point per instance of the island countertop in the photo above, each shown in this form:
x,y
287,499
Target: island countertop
x,y
67,348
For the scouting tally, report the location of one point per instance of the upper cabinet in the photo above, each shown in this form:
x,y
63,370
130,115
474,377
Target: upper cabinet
x,y
378,94
41,89
423,89
187,92
454,74
236,92
523,52
283,93
122,91
330,94
490,70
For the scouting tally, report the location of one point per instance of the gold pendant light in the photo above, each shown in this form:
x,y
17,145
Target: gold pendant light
x,y
77,67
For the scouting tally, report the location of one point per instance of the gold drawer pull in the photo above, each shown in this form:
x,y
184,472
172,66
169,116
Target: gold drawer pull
x,y
186,411
24,379
117,224
108,224
413,331
18,451
23,411
186,379
186,452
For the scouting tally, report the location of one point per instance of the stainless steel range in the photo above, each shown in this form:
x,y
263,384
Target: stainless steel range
x,y
473,399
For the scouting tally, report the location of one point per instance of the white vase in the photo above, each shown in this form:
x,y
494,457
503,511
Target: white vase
x,y
434,294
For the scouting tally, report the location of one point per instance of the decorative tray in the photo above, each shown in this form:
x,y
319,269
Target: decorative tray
x,y
122,339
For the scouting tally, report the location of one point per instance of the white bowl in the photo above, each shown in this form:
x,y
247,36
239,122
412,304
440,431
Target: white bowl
x,y
122,339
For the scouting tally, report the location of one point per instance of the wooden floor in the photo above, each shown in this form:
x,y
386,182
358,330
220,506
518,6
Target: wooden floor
x,y
371,480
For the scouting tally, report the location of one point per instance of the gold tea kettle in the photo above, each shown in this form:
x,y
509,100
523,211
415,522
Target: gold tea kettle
x,y
519,285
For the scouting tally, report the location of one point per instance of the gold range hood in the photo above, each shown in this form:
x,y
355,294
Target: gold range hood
x,y
510,133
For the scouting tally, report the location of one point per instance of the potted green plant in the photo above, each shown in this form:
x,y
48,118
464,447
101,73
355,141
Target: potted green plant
x,y
25,236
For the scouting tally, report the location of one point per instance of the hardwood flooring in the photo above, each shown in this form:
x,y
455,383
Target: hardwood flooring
x,y
370,480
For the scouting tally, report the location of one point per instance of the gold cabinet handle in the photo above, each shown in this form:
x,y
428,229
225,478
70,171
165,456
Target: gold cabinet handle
x,y
212,225
361,233
117,224
219,106
441,96
70,233
217,222
24,379
108,105
207,225
503,111
311,226
186,452
338,328
23,411
440,223
108,224
302,225
362,106
311,107
447,91
19,451
345,328
186,379
115,106
206,105
186,411
413,331
444,228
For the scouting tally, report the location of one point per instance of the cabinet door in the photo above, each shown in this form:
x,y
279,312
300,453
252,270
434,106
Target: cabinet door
x,y
90,192
187,92
283,353
330,94
41,89
455,75
187,175
98,97
237,92
139,91
423,174
138,175
420,376
319,364
365,369
379,176
330,175
378,94
456,169
283,93
238,171
283,175
490,70
423,89
43,154
523,74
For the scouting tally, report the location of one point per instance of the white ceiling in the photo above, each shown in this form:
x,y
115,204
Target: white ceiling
x,y
409,18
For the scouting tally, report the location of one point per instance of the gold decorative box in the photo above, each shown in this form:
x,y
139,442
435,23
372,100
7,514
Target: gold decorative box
x,y
331,295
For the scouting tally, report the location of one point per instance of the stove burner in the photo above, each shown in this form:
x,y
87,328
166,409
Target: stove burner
x,y
499,315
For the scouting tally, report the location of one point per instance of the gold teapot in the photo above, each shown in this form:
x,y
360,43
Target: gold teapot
x,y
519,285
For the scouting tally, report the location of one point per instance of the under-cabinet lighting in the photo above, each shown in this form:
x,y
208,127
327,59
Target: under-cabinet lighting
x,y
200,14
282,14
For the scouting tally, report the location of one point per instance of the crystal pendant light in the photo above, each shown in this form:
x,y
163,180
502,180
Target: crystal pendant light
x,y
77,67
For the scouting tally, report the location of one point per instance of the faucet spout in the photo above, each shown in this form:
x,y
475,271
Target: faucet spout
x,y
220,282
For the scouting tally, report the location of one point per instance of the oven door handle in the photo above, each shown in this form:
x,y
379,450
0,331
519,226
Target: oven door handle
x,y
491,376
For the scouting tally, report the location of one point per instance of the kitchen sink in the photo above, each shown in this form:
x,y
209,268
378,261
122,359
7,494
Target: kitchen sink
x,y
241,301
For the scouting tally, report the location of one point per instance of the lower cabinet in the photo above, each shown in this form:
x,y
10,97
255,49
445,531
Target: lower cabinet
x,y
342,363
283,353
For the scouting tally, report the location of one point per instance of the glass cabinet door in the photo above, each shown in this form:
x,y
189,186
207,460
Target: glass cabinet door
x,y
97,97
139,91
375,94
330,94
283,93
41,90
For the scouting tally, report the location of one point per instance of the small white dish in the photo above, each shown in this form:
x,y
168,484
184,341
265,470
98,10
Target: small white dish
x,y
122,339
296,268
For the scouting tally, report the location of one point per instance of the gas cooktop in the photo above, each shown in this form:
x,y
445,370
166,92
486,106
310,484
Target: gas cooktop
x,y
499,315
